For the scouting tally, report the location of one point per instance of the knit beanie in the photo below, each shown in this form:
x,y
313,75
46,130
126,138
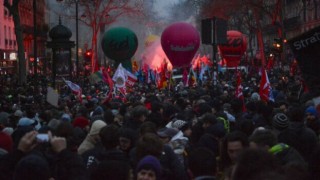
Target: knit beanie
x,y
280,121
255,96
96,127
312,110
150,163
178,124
6,141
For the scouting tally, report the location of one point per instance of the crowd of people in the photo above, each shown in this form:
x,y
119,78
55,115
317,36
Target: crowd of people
x,y
200,132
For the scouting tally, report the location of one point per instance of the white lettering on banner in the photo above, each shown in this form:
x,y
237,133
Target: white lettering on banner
x,y
190,47
303,43
130,83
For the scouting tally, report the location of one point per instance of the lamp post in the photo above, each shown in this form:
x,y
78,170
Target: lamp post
x,y
77,37
35,63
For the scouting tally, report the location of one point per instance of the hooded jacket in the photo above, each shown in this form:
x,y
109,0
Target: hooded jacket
x,y
89,141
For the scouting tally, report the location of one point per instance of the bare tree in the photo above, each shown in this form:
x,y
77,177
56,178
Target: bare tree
x,y
13,9
97,14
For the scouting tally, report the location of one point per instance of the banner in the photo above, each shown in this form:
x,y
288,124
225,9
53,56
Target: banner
x,y
306,49
52,97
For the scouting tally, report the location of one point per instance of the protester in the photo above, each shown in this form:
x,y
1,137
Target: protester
x,y
149,168
107,137
93,137
202,164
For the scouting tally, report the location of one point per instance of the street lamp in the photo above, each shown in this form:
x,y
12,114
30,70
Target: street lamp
x,y
77,37
35,55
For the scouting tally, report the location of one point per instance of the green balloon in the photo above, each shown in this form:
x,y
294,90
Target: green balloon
x,y
119,44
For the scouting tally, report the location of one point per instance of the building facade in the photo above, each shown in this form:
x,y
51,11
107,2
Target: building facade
x,y
8,44
27,22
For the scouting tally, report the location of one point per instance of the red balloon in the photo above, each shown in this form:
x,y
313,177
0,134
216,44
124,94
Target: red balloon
x,y
234,49
180,41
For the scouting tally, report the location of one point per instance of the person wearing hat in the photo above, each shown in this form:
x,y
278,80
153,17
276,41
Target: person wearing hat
x,y
298,135
183,126
24,121
166,134
148,168
312,119
287,156
280,122
179,142
92,138
6,143
4,119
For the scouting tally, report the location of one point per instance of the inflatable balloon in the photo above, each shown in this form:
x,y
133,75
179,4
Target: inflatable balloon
x,y
119,44
180,41
234,49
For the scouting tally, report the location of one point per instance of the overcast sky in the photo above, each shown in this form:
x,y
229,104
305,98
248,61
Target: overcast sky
x,y
161,6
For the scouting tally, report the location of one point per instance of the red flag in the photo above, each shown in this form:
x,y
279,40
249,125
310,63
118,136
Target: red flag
x,y
239,91
185,77
107,79
265,90
131,78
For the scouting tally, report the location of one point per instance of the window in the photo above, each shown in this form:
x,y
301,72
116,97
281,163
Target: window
x,y
9,29
5,32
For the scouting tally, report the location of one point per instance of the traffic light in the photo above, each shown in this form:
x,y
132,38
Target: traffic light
x,y
88,55
278,45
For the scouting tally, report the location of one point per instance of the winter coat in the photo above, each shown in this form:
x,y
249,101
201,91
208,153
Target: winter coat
x,y
64,166
298,136
94,156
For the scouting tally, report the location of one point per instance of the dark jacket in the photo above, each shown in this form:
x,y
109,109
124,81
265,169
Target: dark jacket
x,y
172,168
287,155
298,136
94,156
64,165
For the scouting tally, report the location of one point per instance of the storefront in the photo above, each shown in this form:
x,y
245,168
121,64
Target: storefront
x,y
8,62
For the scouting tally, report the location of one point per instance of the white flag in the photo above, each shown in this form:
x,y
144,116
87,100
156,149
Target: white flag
x,y
119,77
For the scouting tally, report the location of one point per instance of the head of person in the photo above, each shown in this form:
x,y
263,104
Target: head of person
x,y
166,134
254,164
202,162
183,126
280,121
112,170
109,136
127,139
139,113
234,143
96,126
147,127
207,120
32,167
149,144
311,113
296,114
148,168
263,138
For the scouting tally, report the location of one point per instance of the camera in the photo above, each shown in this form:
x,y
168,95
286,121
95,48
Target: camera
x,y
42,138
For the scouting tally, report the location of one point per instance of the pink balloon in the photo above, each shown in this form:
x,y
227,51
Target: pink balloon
x,y
180,41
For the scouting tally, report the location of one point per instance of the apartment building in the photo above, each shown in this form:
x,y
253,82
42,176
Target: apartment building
x,y
8,44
